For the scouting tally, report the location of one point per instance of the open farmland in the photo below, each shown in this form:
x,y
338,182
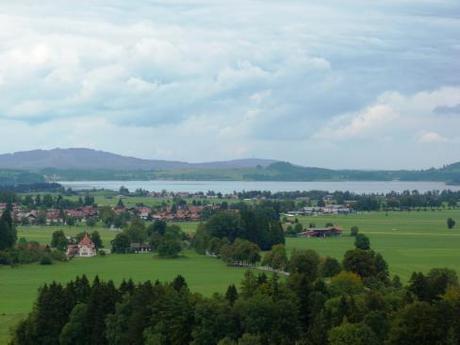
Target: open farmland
x,y
409,241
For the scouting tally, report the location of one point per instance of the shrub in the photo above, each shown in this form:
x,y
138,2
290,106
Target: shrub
x,y
46,260
58,255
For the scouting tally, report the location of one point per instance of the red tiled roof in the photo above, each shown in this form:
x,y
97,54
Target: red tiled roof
x,y
86,241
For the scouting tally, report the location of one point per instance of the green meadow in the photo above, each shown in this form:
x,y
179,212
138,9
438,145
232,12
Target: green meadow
x,y
409,241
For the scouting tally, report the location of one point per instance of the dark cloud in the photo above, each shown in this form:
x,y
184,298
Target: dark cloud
x,y
448,110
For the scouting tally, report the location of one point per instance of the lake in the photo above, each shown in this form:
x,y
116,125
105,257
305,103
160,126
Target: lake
x,y
227,187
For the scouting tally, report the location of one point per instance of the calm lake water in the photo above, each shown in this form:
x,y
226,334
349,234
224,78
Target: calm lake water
x,y
226,187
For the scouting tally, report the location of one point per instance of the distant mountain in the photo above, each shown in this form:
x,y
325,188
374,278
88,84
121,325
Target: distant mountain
x,y
85,164
88,159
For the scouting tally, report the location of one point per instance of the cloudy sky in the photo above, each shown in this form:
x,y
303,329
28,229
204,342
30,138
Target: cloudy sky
x,y
331,83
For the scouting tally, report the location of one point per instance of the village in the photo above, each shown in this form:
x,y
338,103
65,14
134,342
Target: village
x,y
53,216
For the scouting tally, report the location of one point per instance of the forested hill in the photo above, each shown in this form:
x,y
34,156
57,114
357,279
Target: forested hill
x,y
88,159
283,171
19,177
91,165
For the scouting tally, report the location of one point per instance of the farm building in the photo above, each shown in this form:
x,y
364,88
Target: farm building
x,y
331,231
140,248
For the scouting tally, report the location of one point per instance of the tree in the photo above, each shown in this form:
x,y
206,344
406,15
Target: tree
x,y
169,247
305,262
415,324
362,242
231,295
298,228
97,240
330,267
8,234
240,252
136,231
59,240
91,222
107,215
352,334
120,203
450,223
354,231
121,243
249,339
212,321
225,224
276,258
74,331
361,262
70,221
132,315
157,227
101,303
346,283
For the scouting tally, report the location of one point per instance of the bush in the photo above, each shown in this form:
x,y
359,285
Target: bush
x,y
450,223
58,255
169,248
46,260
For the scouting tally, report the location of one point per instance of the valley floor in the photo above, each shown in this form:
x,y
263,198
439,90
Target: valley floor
x,y
409,241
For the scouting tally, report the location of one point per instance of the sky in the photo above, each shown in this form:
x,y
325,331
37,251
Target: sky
x,y
330,83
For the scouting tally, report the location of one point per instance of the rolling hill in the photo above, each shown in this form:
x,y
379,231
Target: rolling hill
x,y
88,159
78,164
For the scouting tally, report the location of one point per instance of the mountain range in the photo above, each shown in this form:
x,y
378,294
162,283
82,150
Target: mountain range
x,y
86,164
88,159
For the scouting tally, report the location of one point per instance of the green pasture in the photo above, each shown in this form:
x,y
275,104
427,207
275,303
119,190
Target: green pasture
x,y
409,241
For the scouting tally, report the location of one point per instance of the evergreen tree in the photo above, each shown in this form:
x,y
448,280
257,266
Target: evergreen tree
x,y
231,295
8,234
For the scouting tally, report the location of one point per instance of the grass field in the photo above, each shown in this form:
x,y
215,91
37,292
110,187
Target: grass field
x,y
409,241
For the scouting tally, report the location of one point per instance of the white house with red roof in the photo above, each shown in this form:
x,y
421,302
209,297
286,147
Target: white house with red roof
x,y
85,248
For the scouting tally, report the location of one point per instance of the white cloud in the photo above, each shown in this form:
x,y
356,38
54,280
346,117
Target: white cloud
x,y
206,80
368,122
431,137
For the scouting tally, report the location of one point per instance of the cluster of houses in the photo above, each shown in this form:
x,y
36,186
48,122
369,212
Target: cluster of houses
x,y
59,216
321,210
190,213
54,216
178,214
